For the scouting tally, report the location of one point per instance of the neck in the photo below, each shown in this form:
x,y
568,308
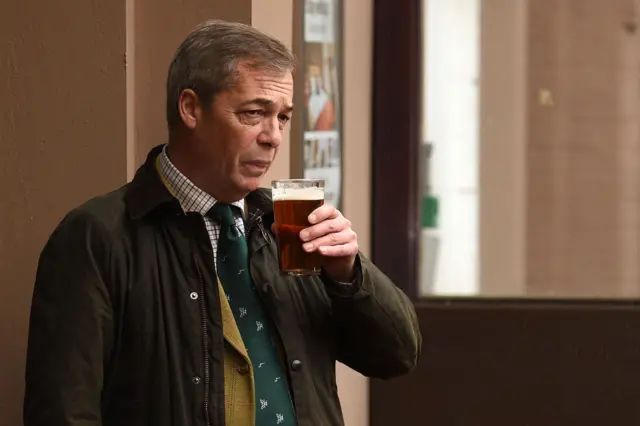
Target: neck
x,y
198,174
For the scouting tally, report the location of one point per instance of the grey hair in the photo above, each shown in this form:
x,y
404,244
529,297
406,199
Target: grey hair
x,y
207,61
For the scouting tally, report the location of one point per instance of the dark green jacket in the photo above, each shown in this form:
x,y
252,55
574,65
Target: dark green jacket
x,y
117,337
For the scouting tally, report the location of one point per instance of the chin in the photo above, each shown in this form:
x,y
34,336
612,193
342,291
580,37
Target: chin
x,y
251,184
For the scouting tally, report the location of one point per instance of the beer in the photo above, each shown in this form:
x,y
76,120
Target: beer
x,y
293,202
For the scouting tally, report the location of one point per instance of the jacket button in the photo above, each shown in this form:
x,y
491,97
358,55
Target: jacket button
x,y
196,380
296,365
194,295
243,369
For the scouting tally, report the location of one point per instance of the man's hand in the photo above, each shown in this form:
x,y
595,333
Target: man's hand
x,y
330,234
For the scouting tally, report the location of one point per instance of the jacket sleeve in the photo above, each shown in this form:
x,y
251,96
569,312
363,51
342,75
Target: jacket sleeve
x,y
375,324
70,330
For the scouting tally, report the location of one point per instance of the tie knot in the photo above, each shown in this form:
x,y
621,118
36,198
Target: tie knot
x,y
222,214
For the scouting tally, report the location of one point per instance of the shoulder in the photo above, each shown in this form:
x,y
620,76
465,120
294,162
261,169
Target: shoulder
x,y
96,220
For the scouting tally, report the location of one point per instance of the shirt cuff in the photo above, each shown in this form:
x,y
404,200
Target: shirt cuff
x,y
341,288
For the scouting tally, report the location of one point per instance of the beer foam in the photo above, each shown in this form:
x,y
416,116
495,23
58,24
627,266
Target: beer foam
x,y
301,194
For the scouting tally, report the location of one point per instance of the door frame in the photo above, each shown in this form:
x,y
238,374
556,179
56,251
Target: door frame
x,y
397,103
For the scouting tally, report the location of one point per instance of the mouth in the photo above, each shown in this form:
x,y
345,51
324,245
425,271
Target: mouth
x,y
257,166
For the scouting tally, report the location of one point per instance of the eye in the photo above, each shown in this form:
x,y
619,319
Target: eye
x,y
284,118
253,113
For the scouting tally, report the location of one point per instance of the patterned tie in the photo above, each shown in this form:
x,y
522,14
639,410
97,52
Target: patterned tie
x,y
273,402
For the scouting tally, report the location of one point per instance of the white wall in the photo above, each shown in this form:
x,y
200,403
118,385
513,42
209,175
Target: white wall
x,y
451,124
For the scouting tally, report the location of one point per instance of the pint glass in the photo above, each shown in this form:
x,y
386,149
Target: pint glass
x,y
293,202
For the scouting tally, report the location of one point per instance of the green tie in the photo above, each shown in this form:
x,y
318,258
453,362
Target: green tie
x,y
273,402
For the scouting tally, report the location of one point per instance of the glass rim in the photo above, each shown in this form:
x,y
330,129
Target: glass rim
x,y
298,180
302,181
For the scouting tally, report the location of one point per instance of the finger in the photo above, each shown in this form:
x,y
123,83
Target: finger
x,y
325,227
322,213
350,249
333,239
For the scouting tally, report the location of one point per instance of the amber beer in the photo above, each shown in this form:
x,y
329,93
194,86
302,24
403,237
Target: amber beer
x,y
293,201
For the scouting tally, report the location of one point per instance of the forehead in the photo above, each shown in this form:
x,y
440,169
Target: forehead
x,y
277,87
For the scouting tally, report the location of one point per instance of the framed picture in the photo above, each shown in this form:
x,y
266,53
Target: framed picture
x,y
320,55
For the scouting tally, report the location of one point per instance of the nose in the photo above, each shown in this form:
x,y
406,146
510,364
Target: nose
x,y
271,133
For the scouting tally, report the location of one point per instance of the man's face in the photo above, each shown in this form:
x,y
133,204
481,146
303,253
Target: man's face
x,y
237,138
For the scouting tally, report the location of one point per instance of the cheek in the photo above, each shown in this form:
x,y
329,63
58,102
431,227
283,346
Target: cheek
x,y
246,139
237,139
250,134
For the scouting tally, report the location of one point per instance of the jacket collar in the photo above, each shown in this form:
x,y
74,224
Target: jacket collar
x,y
146,192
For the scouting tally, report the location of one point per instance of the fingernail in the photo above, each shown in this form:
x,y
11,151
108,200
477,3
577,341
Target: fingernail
x,y
304,235
308,247
313,218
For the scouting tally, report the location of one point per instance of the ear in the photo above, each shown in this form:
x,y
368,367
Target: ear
x,y
189,108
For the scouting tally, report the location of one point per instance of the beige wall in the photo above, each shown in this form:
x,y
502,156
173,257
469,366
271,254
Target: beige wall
x,y
583,149
62,133
560,151
82,90
358,42
503,139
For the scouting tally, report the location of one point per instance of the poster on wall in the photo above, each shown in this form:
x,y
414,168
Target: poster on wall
x,y
322,151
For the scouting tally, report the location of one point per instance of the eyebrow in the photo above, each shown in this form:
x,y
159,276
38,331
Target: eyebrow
x,y
267,103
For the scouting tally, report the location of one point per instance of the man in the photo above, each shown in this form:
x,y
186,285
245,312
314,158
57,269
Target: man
x,y
139,317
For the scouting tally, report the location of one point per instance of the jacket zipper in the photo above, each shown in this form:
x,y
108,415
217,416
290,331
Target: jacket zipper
x,y
205,340
258,221
251,224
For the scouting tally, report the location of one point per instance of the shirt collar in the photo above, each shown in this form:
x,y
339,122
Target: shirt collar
x,y
191,198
